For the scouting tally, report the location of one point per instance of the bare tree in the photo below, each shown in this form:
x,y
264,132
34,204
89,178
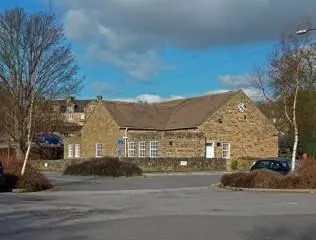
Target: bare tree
x,y
291,68
36,64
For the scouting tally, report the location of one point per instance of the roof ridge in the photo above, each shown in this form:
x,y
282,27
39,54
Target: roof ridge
x,y
171,100
198,96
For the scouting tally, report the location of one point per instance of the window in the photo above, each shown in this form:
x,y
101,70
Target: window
x,y
226,150
82,116
142,149
131,149
70,109
77,151
70,116
98,150
70,151
153,150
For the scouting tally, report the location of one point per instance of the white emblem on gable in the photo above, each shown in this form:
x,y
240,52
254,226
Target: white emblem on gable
x,y
241,107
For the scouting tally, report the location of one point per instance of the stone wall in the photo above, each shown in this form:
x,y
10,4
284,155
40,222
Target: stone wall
x,y
179,164
148,165
54,165
240,164
73,139
179,143
249,133
102,129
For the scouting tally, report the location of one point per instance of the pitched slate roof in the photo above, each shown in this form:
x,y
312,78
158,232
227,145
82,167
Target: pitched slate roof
x,y
176,114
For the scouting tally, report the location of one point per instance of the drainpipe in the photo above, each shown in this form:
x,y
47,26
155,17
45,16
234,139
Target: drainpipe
x,y
125,141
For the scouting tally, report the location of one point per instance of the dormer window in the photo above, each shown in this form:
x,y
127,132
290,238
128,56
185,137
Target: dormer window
x,y
70,109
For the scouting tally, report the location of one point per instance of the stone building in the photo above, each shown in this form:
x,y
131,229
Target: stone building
x,y
72,110
225,125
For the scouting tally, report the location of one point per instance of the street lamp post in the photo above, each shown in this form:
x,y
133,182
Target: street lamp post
x,y
304,31
300,32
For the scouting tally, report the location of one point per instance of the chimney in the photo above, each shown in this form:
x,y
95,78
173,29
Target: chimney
x,y
99,98
70,99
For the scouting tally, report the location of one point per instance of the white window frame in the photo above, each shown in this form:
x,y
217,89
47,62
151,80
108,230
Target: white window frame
x,y
142,149
77,150
70,109
70,150
82,116
98,150
70,116
131,149
226,151
153,149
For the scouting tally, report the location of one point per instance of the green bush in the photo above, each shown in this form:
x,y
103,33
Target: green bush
x,y
234,165
32,180
104,167
245,163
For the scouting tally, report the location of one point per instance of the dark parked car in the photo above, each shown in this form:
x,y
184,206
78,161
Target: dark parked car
x,y
280,166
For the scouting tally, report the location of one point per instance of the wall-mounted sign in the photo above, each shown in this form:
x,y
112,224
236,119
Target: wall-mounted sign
x,y
241,107
183,163
120,144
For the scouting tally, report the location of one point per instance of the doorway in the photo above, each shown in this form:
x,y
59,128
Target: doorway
x,y
210,150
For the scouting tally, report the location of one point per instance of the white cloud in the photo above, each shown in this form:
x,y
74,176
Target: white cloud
x,y
140,66
241,82
254,93
112,47
236,82
149,98
251,92
83,20
217,91
125,31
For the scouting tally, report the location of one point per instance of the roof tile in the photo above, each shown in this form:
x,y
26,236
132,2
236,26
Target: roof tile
x,y
175,114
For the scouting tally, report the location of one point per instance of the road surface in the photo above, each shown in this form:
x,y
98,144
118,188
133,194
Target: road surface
x,y
174,212
72,183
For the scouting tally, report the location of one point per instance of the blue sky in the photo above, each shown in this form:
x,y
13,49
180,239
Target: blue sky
x,y
159,49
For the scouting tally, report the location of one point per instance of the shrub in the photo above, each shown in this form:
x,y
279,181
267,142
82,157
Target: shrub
x,y
236,180
265,179
234,165
305,179
307,172
129,169
104,167
258,179
32,180
290,182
